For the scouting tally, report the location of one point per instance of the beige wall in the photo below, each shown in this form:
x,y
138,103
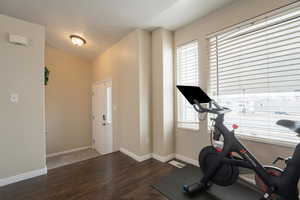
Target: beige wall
x,y
124,64
144,76
68,101
22,143
188,143
128,53
268,152
162,92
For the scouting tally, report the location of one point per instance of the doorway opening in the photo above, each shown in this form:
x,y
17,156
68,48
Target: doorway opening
x,y
102,117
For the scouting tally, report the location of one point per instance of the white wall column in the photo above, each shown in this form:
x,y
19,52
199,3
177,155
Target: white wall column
x,y
162,93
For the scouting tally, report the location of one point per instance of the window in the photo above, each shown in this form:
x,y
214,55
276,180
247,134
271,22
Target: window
x,y
255,71
109,104
187,74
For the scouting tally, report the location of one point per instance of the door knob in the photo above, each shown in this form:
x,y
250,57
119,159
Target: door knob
x,y
103,124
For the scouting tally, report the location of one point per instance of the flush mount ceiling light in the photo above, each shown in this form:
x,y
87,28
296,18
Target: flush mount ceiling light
x,y
77,40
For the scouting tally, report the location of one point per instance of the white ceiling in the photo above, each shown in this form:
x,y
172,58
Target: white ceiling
x,y
104,22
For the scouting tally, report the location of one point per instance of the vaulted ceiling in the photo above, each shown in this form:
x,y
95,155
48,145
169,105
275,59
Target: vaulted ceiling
x,y
104,22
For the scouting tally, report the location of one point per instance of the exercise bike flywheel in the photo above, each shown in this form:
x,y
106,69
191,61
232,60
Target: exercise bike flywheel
x,y
226,174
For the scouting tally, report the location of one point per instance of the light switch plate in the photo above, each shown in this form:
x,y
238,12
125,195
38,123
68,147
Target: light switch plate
x,y
18,39
14,98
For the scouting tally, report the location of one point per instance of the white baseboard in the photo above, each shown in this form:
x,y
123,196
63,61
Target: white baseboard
x,y
136,157
187,160
68,151
22,177
163,158
160,158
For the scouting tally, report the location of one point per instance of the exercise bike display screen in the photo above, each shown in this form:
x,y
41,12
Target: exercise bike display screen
x,y
192,93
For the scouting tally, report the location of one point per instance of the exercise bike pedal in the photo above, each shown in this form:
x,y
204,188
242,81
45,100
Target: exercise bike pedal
x,y
268,198
195,188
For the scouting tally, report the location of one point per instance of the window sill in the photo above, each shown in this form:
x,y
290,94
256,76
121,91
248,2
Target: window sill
x,y
187,128
273,141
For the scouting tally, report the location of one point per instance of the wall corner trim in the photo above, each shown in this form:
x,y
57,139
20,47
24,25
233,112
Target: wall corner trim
x,y
163,158
136,157
24,176
68,151
187,160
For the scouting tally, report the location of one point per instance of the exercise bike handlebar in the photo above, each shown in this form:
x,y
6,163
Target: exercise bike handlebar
x,y
213,108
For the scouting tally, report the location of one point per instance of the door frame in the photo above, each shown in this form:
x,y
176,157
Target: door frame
x,y
112,121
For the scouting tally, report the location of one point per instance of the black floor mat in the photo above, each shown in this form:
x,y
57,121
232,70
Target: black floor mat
x,y
171,187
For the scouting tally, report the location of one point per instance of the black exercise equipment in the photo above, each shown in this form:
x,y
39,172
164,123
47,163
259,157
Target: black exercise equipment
x,y
221,165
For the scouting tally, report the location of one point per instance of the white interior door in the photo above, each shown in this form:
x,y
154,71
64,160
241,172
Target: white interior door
x,y
102,117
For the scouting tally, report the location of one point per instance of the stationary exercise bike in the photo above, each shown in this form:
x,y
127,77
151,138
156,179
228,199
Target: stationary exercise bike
x,y
221,165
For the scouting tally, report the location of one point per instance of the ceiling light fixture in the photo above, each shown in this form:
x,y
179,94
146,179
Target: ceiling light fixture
x,y
77,40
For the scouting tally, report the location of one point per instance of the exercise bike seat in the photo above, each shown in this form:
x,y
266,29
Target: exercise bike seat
x,y
292,125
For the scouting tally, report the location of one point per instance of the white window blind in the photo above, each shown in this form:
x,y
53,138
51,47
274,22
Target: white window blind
x,y
255,71
187,74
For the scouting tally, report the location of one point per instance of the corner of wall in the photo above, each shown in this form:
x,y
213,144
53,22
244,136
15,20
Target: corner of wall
x,y
145,91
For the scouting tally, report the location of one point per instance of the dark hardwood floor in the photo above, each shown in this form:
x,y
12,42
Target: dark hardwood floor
x,y
114,176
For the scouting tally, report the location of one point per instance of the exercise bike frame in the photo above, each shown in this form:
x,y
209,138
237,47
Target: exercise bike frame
x,y
232,144
285,185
